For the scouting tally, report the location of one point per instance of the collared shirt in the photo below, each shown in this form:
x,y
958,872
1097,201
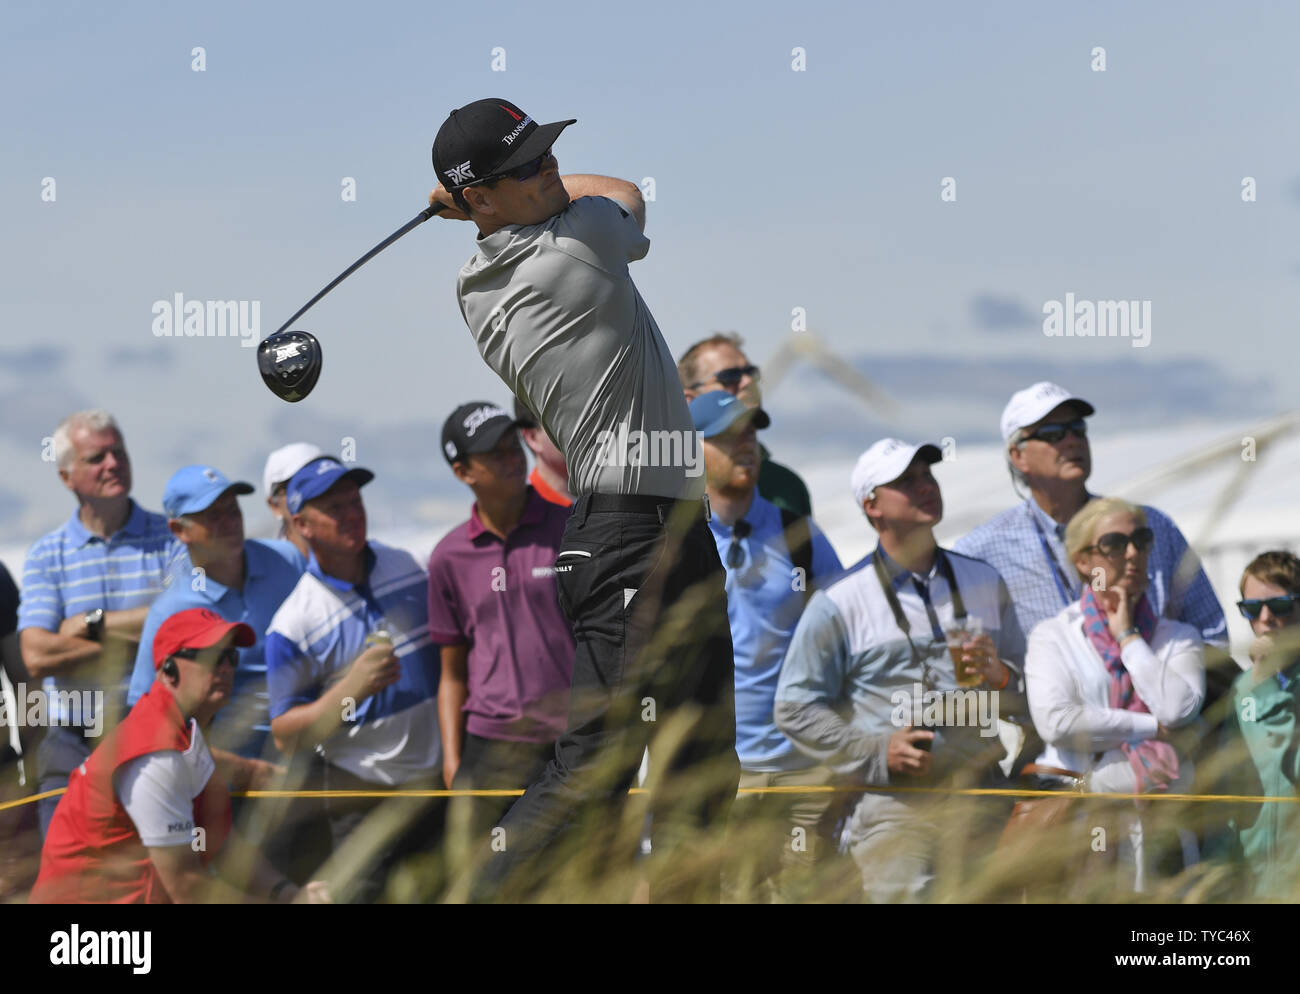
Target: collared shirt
x,y
555,314
498,598
321,628
851,676
271,571
764,601
1043,583
71,571
782,486
545,491
1264,716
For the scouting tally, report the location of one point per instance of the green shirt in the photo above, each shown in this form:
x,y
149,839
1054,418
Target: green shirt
x,y
1265,716
782,486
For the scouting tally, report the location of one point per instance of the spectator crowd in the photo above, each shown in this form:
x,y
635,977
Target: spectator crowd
x,y
1072,644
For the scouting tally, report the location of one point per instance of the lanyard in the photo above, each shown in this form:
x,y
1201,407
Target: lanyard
x,y
1061,582
945,567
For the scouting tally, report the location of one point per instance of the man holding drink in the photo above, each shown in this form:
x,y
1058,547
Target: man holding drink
x,y
897,675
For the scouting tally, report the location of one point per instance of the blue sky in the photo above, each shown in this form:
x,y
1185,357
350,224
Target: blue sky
x,y
774,189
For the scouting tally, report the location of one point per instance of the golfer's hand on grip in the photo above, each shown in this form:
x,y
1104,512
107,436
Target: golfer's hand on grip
x,y
441,195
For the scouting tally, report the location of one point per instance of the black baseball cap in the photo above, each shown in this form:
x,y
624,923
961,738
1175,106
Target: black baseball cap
x,y
475,427
486,138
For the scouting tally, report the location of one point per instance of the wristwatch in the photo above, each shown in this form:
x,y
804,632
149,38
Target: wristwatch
x,y
95,624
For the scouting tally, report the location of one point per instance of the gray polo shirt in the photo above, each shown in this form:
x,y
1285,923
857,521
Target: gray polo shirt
x,y
556,315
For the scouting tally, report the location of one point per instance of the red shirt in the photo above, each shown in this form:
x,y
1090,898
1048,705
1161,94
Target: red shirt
x,y
92,852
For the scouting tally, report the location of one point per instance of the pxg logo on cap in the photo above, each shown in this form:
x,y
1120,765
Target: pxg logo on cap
x,y
486,138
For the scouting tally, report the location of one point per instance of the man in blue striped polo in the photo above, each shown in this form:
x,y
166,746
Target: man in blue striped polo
x,y
351,668
87,587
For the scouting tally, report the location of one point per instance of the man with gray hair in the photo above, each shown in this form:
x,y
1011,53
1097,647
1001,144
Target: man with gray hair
x,y
1048,454
87,587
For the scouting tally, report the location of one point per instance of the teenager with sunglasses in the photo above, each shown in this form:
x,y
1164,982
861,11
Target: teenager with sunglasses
x,y
718,363
146,819
1046,434
1108,679
774,559
552,307
1264,734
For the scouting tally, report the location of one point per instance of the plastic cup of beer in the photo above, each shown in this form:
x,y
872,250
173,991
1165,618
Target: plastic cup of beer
x,y
960,634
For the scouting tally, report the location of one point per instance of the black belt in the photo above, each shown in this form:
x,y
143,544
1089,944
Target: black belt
x,y
663,507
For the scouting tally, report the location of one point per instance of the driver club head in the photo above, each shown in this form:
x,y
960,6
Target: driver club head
x,y
290,363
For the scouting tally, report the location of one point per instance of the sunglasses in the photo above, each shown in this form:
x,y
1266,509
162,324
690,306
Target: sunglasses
x,y
1054,431
736,554
1117,543
730,377
228,655
1278,607
525,172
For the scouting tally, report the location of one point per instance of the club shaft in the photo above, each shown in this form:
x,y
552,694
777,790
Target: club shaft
x,y
415,222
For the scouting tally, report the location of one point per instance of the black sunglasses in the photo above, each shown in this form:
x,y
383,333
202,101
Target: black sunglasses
x,y
736,554
1054,431
1278,607
228,655
1117,543
520,173
730,377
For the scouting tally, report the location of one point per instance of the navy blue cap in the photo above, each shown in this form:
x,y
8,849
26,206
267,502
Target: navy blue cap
x,y
716,411
317,477
193,488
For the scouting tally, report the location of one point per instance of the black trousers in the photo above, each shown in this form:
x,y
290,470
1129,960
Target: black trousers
x,y
645,593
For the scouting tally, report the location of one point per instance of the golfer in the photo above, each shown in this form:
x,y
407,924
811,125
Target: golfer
x,y
554,312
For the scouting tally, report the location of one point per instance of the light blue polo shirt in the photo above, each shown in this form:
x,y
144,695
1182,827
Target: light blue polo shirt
x,y
71,571
271,571
321,628
763,606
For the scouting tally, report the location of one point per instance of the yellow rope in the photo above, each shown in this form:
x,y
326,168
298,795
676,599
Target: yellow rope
x,y
955,792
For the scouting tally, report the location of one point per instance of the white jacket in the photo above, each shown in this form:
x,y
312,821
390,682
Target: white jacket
x,y
1069,694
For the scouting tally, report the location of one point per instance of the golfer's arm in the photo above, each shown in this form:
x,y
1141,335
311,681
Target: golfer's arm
x,y
453,692
624,191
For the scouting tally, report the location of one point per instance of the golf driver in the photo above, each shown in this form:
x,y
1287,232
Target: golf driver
x,y
290,361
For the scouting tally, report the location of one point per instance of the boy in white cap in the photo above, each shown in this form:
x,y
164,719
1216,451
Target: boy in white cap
x,y
870,687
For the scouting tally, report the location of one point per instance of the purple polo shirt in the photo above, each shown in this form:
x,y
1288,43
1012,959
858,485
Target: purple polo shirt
x,y
499,599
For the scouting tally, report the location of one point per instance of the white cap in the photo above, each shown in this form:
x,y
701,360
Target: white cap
x,y
284,462
885,462
1033,403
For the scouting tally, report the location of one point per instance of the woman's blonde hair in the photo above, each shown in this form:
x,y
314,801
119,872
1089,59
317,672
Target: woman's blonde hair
x,y
1078,533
